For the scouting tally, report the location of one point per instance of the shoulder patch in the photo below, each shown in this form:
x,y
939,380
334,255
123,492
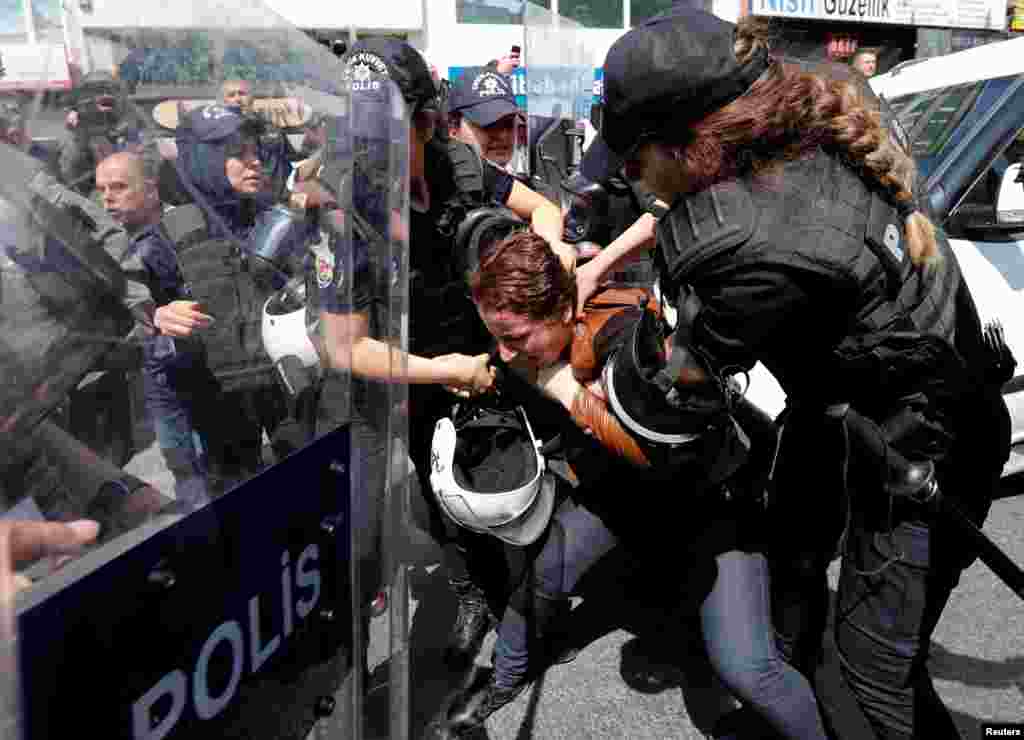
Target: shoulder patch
x,y
884,236
324,267
703,225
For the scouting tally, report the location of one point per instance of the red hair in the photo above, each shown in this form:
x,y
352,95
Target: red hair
x,y
523,275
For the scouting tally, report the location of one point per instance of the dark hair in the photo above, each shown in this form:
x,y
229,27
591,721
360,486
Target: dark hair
x,y
523,275
788,113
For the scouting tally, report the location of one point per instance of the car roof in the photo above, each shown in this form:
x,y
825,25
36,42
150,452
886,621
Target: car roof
x,y
986,62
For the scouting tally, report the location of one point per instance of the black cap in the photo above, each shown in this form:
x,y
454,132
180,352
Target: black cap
x,y
670,72
395,60
483,98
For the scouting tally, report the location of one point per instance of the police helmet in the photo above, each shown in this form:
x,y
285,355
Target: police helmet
x,y
481,227
677,423
489,475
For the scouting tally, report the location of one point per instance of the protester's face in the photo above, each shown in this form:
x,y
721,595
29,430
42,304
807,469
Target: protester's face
x,y
244,169
495,142
127,196
542,341
237,93
657,166
866,64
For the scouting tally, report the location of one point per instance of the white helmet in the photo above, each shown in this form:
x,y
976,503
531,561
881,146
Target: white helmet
x,y
489,476
284,329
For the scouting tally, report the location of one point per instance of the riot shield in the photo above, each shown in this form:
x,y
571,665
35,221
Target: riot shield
x,y
170,376
560,81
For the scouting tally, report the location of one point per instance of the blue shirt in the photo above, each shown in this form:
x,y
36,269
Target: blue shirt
x,y
166,283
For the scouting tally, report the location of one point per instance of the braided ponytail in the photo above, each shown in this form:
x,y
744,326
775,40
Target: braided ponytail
x,y
787,114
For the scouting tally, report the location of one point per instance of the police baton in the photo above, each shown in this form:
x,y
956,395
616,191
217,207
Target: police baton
x,y
916,481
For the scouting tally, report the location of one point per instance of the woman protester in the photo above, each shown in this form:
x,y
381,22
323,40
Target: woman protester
x,y
794,239
701,479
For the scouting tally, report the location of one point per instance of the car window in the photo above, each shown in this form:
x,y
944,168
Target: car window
x,y
937,120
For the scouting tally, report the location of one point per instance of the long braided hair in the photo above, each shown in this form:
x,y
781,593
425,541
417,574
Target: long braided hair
x,y
789,113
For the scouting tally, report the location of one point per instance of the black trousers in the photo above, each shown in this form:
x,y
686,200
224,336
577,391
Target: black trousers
x,y
899,568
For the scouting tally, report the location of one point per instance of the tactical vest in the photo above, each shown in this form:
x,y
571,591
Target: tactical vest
x,y
217,276
442,316
899,338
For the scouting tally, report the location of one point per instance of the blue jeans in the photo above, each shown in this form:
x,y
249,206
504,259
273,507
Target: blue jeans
x,y
735,612
170,398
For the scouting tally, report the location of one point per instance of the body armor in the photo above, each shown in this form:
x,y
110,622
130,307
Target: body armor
x,y
221,277
444,250
897,336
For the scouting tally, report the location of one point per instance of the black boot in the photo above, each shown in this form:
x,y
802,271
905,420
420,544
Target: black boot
x,y
472,623
477,701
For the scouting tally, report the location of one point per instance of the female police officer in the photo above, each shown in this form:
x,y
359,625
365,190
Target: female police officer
x,y
795,240
442,321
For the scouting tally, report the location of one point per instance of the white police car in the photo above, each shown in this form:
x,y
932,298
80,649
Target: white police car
x,y
964,116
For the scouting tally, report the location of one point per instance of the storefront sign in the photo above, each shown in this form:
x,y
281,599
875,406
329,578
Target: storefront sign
x,y
988,14
568,88
1016,12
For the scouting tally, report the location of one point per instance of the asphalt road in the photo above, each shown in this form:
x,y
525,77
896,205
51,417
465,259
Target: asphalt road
x,y
977,661
627,681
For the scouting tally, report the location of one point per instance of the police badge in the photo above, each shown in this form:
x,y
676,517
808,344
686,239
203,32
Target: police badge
x,y
324,267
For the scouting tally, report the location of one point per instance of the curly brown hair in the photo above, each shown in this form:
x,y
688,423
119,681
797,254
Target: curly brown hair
x,y
788,113
523,275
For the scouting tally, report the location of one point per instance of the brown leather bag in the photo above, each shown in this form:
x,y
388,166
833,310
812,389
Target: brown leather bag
x,y
588,411
602,307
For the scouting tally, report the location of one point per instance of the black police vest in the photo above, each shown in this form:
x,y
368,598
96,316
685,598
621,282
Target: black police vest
x,y
442,317
217,276
900,335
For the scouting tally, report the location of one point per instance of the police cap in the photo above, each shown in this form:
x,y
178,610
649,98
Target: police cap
x,y
215,122
395,60
670,72
483,98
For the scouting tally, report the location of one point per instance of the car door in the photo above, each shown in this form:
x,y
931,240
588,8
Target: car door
x,y
964,138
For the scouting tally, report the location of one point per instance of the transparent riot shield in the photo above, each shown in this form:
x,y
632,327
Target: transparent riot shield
x,y
183,267
560,81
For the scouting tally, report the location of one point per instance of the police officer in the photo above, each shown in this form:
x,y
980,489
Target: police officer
x,y
221,238
606,211
276,151
482,112
795,239
446,337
